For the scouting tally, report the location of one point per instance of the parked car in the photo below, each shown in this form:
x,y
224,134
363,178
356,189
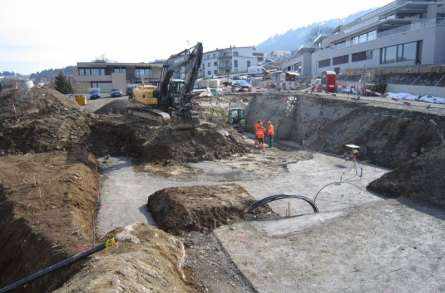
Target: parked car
x,y
115,93
241,85
95,94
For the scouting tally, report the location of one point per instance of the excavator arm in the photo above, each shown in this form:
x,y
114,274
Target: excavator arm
x,y
190,60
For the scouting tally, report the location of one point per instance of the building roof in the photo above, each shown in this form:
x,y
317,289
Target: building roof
x,y
117,64
230,48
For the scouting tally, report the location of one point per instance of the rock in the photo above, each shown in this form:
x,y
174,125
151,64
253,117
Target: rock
x,y
198,208
420,178
145,260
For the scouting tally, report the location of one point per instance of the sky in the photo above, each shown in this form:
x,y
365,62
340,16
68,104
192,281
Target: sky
x,y
42,34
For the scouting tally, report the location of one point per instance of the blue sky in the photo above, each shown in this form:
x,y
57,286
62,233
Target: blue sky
x,y
35,35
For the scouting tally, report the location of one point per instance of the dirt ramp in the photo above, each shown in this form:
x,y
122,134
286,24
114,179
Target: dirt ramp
x,y
46,207
40,120
145,260
421,178
198,208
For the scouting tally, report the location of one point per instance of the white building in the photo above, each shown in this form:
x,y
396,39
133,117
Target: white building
x,y
229,61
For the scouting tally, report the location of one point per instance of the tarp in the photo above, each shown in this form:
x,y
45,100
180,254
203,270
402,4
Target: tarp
x,y
410,97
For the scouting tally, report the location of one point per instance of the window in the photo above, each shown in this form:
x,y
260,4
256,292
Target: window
x,y
372,36
363,38
361,56
97,71
235,54
141,72
215,72
340,60
209,64
409,52
215,63
235,63
324,63
209,72
400,53
119,70
248,63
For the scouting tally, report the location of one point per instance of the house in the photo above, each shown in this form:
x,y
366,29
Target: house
x,y
111,75
230,61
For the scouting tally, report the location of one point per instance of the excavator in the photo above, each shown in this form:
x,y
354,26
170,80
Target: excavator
x,y
171,99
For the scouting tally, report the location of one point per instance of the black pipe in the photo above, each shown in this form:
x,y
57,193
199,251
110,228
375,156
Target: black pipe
x,y
270,199
61,264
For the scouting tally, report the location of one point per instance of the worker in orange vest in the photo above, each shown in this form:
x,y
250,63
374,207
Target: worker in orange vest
x,y
259,133
270,133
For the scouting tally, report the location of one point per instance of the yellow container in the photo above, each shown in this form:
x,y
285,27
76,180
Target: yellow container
x,y
80,100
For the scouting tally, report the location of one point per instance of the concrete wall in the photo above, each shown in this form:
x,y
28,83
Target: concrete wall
x,y
388,137
417,90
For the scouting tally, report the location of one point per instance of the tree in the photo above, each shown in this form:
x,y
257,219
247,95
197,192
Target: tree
x,y
62,84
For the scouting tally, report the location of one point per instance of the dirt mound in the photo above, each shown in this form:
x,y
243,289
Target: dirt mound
x,y
198,208
145,260
40,120
114,107
121,135
47,203
421,178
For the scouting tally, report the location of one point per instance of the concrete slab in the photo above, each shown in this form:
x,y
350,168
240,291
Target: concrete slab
x,y
383,246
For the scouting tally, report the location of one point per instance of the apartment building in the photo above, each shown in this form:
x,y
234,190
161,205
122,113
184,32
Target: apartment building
x,y
111,75
400,34
232,60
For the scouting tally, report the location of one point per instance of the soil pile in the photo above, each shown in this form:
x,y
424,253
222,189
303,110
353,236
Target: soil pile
x,y
39,120
198,208
132,136
145,260
115,107
47,203
421,178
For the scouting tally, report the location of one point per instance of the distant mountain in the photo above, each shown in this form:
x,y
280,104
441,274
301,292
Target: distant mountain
x,y
48,75
295,38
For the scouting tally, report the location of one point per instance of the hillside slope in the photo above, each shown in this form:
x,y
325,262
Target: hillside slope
x,y
295,38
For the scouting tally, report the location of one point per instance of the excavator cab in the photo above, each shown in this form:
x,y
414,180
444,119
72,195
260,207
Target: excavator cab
x,y
172,97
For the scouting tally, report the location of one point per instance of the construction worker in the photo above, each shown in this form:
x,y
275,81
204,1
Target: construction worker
x,y
270,132
259,133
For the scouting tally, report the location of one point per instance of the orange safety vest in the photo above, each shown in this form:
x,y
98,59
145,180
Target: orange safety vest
x,y
270,130
257,126
260,132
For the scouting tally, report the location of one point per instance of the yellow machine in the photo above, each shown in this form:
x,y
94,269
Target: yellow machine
x,y
171,98
145,95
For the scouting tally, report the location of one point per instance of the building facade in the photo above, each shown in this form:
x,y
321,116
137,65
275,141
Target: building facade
x,y
229,61
300,62
109,75
402,33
